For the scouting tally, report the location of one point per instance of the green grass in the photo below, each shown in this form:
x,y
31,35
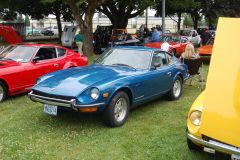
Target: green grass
x,y
155,130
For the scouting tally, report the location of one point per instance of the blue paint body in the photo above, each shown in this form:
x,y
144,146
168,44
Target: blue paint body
x,y
141,85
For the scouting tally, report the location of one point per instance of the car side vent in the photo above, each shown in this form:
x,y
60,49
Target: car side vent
x,y
1,64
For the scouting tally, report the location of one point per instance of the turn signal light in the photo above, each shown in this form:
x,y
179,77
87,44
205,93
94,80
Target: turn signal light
x,y
94,109
105,95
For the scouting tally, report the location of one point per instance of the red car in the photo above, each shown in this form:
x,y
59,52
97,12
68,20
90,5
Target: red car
x,y
21,65
177,43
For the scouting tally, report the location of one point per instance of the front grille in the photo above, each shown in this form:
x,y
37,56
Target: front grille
x,y
68,98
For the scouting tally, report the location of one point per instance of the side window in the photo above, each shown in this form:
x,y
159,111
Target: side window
x,y
164,58
169,58
159,57
46,53
184,40
61,52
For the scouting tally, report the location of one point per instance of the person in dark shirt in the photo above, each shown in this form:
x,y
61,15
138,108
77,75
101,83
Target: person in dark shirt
x,y
205,36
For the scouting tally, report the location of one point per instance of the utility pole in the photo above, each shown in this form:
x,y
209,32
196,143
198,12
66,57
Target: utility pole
x,y
146,22
163,16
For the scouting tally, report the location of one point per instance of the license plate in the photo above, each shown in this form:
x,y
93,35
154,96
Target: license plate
x,y
235,157
49,109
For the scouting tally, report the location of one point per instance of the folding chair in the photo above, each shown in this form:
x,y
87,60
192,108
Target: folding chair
x,y
195,71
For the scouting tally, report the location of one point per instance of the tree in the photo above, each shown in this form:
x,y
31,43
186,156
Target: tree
x,y
59,8
119,11
83,12
39,9
27,21
187,21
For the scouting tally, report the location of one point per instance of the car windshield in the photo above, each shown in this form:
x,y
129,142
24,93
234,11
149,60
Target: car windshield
x,y
169,39
184,32
137,59
18,53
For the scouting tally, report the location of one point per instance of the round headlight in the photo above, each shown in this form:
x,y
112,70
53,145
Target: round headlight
x,y
195,118
94,93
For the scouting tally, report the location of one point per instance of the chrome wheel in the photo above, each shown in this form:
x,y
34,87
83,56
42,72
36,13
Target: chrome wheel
x,y
177,87
120,109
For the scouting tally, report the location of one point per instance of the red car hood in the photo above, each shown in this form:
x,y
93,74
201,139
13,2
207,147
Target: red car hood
x,y
205,50
8,63
157,44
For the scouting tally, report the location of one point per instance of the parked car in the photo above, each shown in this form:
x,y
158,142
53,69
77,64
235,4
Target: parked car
x,y
32,31
213,119
21,65
177,43
51,29
192,35
120,79
47,33
206,51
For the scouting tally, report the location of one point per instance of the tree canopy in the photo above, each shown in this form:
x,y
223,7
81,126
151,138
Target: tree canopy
x,y
119,11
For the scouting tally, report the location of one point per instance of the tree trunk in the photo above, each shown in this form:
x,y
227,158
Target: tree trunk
x,y
119,22
88,39
85,22
179,14
59,24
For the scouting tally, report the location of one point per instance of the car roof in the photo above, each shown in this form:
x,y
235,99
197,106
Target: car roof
x,y
37,44
137,48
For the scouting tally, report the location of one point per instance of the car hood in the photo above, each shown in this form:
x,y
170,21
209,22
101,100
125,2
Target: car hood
x,y
7,63
72,82
221,106
205,49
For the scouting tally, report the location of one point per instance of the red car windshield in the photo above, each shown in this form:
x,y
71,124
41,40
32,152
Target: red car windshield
x,y
170,39
18,53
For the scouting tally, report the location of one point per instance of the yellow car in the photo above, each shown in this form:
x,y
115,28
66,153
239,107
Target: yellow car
x,y
213,121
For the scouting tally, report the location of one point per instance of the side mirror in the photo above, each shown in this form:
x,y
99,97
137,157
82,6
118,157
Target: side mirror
x,y
156,65
36,59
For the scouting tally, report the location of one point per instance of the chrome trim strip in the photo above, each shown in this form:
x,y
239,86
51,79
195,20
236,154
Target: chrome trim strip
x,y
214,145
59,102
47,98
35,99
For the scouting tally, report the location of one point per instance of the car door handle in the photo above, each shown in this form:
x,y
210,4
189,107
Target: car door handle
x,y
55,65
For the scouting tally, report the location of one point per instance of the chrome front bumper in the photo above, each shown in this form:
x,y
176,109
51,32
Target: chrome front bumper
x,y
218,146
60,102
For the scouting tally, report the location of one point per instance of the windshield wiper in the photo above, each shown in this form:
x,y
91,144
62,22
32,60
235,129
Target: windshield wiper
x,y
6,59
121,64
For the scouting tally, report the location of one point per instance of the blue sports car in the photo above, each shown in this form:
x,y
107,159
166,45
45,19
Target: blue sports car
x,y
122,78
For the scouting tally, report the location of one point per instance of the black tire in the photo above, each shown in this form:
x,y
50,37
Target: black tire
x,y
172,95
110,117
3,91
193,146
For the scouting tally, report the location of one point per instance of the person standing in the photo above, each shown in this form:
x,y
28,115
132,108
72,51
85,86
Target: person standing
x,y
145,35
79,42
155,35
205,36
